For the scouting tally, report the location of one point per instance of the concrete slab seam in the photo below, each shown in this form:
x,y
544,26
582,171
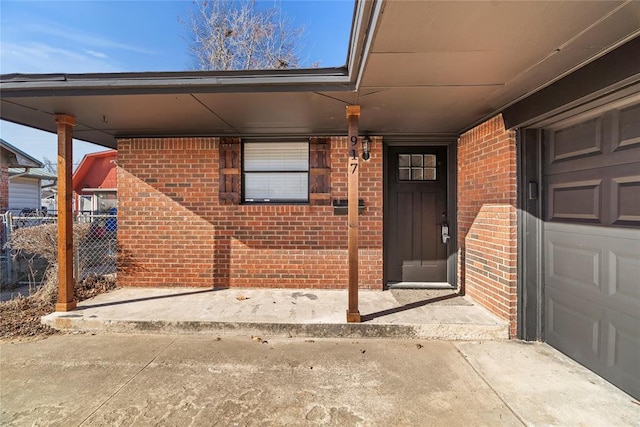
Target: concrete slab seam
x,y
133,377
486,381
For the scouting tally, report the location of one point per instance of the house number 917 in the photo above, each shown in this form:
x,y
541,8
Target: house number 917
x,y
354,154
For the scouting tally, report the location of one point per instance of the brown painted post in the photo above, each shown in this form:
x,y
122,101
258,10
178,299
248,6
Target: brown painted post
x,y
66,301
353,114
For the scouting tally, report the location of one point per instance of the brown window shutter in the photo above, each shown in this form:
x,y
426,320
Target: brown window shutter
x,y
230,171
320,171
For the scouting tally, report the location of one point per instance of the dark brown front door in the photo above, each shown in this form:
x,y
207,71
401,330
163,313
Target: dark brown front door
x,y
416,211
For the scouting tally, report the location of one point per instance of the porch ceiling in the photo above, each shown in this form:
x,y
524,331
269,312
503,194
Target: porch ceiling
x,y
428,68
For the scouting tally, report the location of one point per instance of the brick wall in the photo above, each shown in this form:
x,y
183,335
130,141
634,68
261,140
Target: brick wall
x,y
487,238
174,232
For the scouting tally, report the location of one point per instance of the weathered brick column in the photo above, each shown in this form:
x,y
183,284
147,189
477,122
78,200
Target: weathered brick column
x,y
487,238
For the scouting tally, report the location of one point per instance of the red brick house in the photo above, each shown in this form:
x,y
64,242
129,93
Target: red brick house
x,y
95,182
505,150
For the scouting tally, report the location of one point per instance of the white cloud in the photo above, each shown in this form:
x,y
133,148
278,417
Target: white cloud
x,y
96,54
43,46
83,38
34,57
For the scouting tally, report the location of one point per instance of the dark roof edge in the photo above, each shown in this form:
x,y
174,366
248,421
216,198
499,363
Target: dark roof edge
x,y
170,75
612,71
389,138
154,83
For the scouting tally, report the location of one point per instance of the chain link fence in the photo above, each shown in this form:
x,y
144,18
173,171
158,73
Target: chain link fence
x,y
94,253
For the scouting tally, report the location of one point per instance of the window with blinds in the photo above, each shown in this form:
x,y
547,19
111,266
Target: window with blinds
x,y
276,172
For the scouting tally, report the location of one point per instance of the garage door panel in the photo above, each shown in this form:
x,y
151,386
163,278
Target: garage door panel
x,y
580,140
623,348
601,265
625,202
608,195
615,141
604,340
572,264
624,144
627,128
631,157
577,200
574,329
624,275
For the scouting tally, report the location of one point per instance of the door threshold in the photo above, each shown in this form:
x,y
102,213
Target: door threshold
x,y
420,285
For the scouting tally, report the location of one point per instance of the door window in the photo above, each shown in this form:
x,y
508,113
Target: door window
x,y
417,167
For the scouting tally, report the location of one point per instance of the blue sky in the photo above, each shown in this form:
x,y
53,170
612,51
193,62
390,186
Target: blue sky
x,y
124,36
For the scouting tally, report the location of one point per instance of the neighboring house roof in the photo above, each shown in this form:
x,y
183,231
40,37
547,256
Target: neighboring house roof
x,y
37,173
422,68
96,171
18,158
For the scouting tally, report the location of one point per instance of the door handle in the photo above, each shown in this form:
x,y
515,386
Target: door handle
x,y
444,232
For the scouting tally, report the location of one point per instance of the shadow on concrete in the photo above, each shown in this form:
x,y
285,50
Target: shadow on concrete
x,y
106,304
405,307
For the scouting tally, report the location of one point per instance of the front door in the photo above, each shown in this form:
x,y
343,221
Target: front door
x,y
416,213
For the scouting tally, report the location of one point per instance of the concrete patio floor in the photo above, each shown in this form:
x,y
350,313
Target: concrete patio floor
x,y
202,380
435,314
288,357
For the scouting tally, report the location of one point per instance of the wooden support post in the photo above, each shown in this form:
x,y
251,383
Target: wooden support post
x,y
66,301
353,114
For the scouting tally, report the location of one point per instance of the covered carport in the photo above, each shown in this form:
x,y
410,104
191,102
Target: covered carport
x,y
422,73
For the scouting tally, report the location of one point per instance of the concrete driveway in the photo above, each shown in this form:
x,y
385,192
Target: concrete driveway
x,y
182,380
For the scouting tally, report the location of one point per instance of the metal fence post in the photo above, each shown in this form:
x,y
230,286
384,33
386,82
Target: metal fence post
x,y
8,226
76,264
3,267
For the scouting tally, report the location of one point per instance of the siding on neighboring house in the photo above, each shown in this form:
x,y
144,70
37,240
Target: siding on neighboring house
x,y
24,193
175,231
487,237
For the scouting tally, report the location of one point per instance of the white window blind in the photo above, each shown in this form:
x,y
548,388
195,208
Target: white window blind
x,y
265,187
276,172
276,156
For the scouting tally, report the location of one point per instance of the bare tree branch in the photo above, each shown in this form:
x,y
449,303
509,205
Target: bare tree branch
x,y
241,35
49,165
